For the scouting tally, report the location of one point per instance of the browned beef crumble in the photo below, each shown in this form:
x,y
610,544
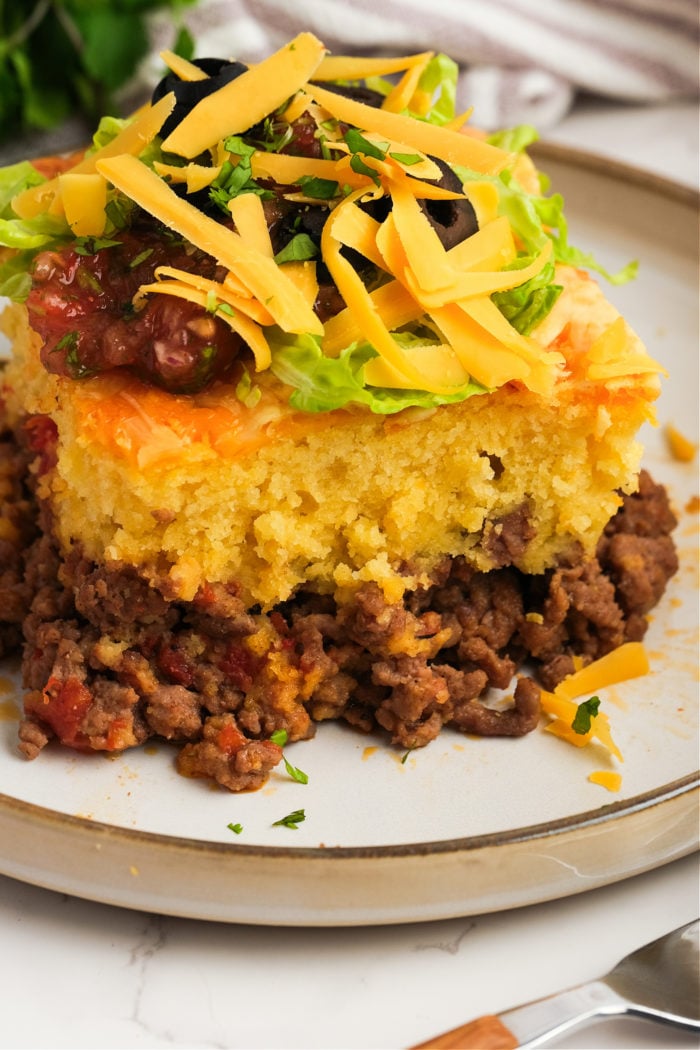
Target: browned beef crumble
x,y
111,659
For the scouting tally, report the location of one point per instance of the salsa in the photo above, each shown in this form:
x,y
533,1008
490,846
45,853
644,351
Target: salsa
x,y
81,306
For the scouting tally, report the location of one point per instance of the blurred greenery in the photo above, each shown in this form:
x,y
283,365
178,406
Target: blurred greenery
x,y
63,58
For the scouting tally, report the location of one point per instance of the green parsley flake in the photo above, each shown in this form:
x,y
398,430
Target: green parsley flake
x,y
235,828
92,245
357,143
296,774
406,158
280,737
292,820
585,713
300,248
319,189
138,259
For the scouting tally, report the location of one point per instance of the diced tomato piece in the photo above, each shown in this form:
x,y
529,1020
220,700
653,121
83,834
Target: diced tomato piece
x,y
175,665
229,739
63,706
240,665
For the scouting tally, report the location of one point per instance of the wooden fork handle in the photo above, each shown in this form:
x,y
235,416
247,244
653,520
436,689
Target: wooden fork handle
x,y
486,1033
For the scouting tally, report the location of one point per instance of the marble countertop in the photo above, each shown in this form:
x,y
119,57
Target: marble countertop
x,y
79,974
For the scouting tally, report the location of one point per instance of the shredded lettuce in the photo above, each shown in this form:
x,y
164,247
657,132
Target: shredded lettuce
x,y
32,233
536,218
15,279
514,140
24,236
439,79
107,130
322,383
14,179
527,305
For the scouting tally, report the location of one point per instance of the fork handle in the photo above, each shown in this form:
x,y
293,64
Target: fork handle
x,y
485,1033
528,1025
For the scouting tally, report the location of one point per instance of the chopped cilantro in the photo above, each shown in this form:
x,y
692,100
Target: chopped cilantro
x,y
361,146
357,143
299,248
360,168
141,257
320,189
585,713
296,774
87,280
92,245
276,133
292,820
235,828
406,158
280,737
117,212
235,178
69,342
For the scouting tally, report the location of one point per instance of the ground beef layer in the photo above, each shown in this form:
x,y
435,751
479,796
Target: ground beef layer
x,y
111,660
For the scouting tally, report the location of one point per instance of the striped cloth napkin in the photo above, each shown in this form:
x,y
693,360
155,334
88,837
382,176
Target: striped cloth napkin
x,y
520,60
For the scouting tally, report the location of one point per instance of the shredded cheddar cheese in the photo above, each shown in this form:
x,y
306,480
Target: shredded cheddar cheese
x,y
181,67
628,661
259,273
131,141
607,778
395,158
682,448
248,99
84,198
428,138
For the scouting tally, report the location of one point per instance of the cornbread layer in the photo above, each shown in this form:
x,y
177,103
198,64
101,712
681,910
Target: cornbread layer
x,y
204,490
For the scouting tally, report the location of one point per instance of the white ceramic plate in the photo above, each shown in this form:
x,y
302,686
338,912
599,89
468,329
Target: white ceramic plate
x,y
463,826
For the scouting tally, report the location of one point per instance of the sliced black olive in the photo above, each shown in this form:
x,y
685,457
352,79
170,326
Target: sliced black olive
x,y
189,92
357,92
452,220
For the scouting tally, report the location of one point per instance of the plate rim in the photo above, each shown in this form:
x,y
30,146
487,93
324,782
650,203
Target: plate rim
x,y
600,164
612,811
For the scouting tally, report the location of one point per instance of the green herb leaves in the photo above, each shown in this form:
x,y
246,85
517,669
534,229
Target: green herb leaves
x,y
585,713
280,737
68,56
236,178
300,247
292,820
528,304
319,189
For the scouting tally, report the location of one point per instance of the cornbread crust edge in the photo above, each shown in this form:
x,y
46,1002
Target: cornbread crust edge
x,y
358,498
